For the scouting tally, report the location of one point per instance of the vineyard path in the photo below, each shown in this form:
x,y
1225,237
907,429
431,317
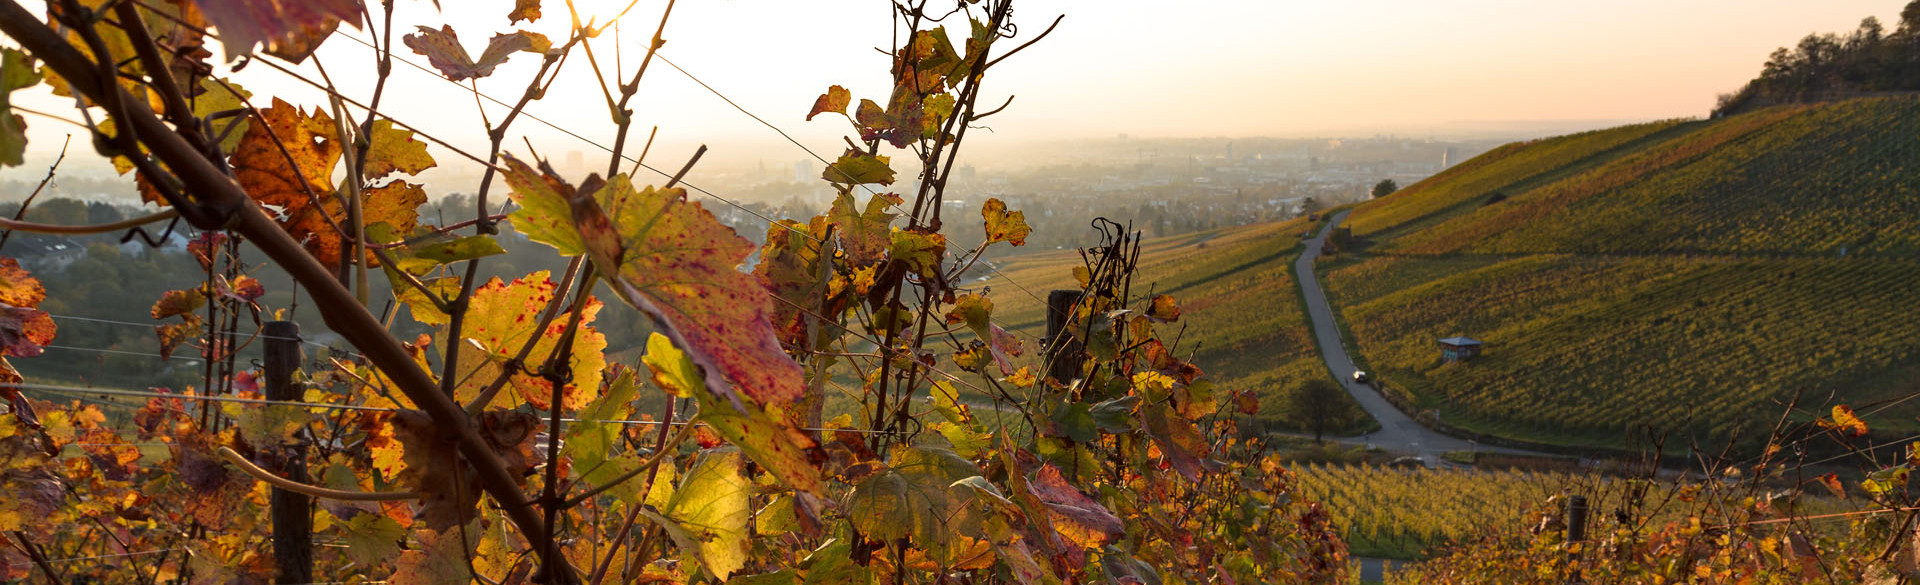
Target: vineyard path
x,y
1398,432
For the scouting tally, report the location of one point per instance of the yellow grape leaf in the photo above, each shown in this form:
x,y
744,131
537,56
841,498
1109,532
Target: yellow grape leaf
x,y
544,215
393,149
976,310
835,100
218,97
711,504
501,317
1003,225
16,71
857,167
864,235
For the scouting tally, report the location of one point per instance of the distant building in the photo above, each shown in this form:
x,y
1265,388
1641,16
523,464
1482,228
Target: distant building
x,y
803,171
1453,349
1446,158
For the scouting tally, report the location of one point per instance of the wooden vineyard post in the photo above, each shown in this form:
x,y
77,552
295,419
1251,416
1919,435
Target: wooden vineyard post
x,y
1063,348
1576,535
292,522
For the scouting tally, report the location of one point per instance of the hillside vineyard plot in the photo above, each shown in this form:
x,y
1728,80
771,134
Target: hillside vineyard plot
x,y
1700,279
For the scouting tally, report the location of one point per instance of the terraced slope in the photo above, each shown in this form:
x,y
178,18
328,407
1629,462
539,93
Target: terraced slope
x,y
1697,277
1241,309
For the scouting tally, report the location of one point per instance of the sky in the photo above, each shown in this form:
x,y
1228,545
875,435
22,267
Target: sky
x,y
1226,68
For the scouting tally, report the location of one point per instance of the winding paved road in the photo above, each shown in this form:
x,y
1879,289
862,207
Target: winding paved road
x,y
1398,432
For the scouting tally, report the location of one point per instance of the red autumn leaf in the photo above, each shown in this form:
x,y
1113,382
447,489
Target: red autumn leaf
x,y
23,331
1073,514
280,24
1845,421
672,260
205,246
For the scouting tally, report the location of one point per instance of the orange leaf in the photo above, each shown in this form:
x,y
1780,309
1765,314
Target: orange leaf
x,y
17,287
1845,421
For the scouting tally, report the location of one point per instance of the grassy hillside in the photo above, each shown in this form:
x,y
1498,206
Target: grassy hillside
x,y
1688,274
1241,309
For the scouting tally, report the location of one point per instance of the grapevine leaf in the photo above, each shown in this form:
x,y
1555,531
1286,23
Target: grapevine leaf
x,y
863,234
777,445
855,168
372,538
1003,225
393,149
179,302
1075,421
443,51
870,116
919,253
1074,515
18,287
426,448
790,267
1003,346
711,504
912,499
1115,416
449,250
835,100
1845,421
218,97
976,310
1181,443
527,10
23,331
174,334
440,560
591,440
501,318
669,258
1164,309
277,23
303,190
833,564
16,71
1832,483
544,215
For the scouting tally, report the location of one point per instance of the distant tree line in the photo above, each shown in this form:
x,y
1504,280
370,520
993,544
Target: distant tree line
x,y
1833,66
